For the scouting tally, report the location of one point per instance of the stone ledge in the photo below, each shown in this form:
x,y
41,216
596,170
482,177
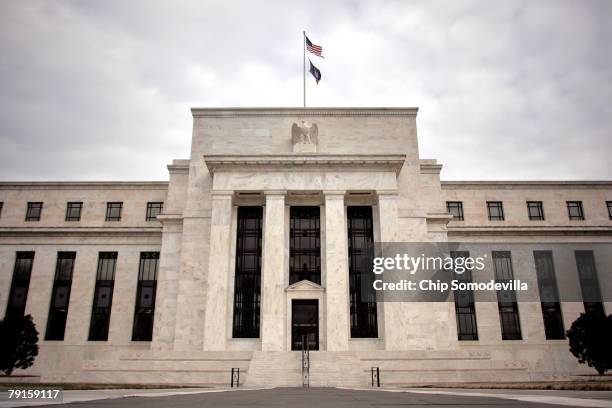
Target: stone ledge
x,y
84,185
251,112
355,162
516,184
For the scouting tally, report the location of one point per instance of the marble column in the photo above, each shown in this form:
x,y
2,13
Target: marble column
x,y
215,333
273,274
336,267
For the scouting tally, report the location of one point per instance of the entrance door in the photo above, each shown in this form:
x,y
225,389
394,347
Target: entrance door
x,y
304,324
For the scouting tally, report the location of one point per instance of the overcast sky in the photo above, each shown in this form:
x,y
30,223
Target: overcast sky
x,y
101,90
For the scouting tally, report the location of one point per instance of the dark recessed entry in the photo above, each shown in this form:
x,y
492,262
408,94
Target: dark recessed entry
x,y
304,324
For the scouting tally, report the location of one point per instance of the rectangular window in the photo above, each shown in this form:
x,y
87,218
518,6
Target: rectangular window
x,y
153,210
549,295
113,211
73,211
465,308
305,244
506,299
589,282
103,296
574,210
247,281
363,308
60,296
535,209
608,204
496,210
455,208
145,297
20,284
2,204
33,212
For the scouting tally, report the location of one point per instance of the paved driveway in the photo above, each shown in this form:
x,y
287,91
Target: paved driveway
x,y
338,398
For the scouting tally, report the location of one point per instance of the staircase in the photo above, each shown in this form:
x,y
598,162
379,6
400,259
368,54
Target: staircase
x,y
336,369
275,369
263,369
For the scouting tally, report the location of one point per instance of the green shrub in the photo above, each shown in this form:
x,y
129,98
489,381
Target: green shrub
x,y
590,340
18,343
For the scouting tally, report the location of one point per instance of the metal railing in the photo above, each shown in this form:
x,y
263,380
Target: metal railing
x,y
375,377
305,362
235,378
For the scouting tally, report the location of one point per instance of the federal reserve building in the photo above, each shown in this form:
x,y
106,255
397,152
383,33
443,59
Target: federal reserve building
x,y
258,251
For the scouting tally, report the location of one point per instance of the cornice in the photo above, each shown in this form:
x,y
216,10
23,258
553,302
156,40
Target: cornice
x,y
390,162
80,231
531,230
84,185
281,112
430,168
543,184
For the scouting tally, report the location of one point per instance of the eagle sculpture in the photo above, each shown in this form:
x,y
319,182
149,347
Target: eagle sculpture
x,y
305,133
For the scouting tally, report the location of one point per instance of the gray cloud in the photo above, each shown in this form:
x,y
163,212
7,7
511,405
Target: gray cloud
x,y
506,90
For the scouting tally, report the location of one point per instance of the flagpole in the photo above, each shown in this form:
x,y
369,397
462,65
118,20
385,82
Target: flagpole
x,y
304,65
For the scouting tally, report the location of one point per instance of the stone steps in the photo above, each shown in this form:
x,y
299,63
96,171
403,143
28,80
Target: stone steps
x,y
284,369
275,369
336,369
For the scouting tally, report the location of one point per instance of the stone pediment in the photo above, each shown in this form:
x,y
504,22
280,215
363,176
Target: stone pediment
x,y
305,286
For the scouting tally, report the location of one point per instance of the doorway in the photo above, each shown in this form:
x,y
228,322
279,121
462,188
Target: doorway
x,y
304,324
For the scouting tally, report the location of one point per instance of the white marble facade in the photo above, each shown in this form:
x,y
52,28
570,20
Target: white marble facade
x,y
357,156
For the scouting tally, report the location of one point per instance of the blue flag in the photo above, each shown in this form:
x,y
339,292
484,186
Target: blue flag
x,y
315,72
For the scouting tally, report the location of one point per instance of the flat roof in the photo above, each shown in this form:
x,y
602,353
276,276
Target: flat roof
x,y
310,111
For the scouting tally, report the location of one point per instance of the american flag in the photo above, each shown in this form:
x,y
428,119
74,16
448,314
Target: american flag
x,y
315,49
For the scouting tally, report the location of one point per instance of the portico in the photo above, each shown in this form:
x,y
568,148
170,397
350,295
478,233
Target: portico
x,y
277,183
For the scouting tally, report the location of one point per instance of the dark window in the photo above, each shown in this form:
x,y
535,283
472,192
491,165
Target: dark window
x,y
103,296
364,319
73,211
153,210
506,299
535,209
305,245
145,297
589,283
496,210
574,210
455,208
60,296
465,309
33,212
113,211
247,282
608,204
20,284
549,295
2,204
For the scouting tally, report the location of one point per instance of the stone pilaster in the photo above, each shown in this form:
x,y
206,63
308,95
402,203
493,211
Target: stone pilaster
x,y
215,336
388,221
388,217
336,262
273,271
164,323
